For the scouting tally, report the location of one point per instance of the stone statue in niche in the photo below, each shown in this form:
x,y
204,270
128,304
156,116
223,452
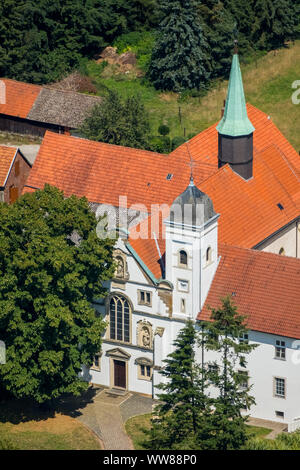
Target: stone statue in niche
x,y
120,271
144,334
146,337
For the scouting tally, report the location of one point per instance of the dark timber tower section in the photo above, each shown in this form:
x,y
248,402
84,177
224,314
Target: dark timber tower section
x,y
235,129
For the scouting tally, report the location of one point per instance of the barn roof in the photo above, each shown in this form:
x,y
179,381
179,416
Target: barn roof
x,y
48,105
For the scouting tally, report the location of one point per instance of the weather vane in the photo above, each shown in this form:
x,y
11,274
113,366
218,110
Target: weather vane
x,y
192,164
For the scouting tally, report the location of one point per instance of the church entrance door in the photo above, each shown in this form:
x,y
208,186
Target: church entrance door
x,y
120,374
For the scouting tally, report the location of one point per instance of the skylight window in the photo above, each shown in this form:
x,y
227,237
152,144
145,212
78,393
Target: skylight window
x,y
280,206
169,176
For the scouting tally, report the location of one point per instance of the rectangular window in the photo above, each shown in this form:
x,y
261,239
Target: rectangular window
x,y
182,306
213,368
97,362
244,338
243,380
279,414
279,387
145,372
145,298
280,349
182,285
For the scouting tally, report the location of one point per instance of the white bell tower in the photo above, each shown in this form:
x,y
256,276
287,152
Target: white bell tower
x,y
191,250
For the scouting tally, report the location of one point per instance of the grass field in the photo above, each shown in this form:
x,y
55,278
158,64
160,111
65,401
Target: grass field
x,y
30,429
17,139
268,85
134,428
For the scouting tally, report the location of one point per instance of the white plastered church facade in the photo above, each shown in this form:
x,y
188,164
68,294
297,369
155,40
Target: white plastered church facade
x,y
145,314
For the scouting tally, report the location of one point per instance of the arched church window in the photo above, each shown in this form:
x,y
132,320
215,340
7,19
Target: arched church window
x,y
282,251
183,258
208,255
119,319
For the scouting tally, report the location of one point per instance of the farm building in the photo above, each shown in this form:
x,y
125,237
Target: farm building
x,y
14,170
33,109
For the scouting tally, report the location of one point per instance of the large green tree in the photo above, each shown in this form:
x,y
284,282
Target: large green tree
x,y
184,404
226,335
41,40
275,22
118,121
180,55
219,29
52,266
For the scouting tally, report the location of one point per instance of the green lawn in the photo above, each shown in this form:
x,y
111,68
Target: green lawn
x,y
24,427
268,85
134,428
16,139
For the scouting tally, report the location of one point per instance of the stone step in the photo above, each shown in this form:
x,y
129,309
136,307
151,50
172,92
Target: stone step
x,y
116,391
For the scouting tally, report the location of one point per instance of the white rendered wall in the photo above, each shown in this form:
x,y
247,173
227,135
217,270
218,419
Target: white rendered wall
x,y
198,272
287,239
263,367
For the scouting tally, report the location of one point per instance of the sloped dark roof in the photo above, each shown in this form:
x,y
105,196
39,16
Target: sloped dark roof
x,y
192,207
64,108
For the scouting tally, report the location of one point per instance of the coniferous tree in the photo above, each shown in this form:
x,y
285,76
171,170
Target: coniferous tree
x,y
118,122
243,15
219,28
276,21
176,421
180,56
226,428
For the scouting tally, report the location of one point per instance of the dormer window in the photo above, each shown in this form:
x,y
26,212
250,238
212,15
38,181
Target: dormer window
x,y
183,259
208,255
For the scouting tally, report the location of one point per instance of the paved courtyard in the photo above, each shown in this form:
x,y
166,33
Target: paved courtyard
x,y
105,414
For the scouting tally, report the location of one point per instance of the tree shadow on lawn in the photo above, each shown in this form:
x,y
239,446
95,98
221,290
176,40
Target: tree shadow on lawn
x,y
19,411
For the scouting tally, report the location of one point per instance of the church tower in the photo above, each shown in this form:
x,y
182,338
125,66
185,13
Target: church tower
x,y
191,250
235,129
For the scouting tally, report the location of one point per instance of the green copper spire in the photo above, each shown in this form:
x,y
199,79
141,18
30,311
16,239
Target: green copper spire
x,y
235,121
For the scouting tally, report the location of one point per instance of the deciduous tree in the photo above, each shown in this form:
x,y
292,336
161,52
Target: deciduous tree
x,y
120,122
52,267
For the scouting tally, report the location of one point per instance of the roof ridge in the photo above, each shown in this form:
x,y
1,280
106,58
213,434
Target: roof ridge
x,y
49,87
96,142
261,253
9,146
23,83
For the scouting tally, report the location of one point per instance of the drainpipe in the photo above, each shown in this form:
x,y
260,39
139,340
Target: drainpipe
x,y
153,365
297,235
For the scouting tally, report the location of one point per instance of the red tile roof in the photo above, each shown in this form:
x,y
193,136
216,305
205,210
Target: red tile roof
x,y
152,233
265,288
7,155
204,146
102,172
20,98
249,209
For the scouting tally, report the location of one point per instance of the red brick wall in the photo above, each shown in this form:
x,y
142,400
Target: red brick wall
x,y
17,180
